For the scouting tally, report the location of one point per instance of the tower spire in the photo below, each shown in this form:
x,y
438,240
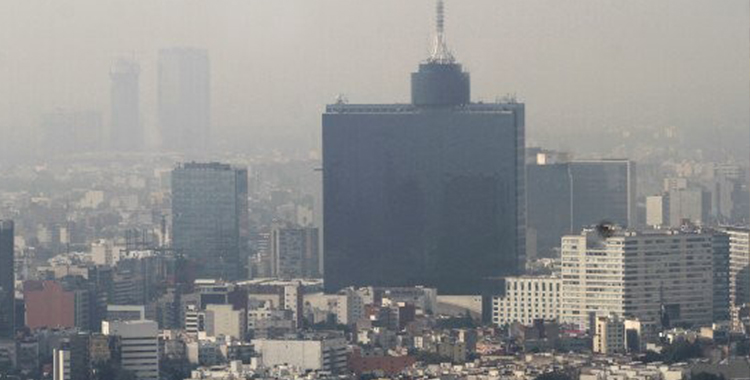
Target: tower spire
x,y
440,52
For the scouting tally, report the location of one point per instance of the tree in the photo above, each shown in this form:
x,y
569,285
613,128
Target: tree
x,y
651,356
682,351
427,357
175,369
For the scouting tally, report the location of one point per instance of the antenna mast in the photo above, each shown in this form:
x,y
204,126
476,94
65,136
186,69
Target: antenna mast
x,y
440,52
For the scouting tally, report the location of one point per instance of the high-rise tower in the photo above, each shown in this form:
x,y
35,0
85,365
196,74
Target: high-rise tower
x,y
7,281
184,100
210,217
428,193
126,131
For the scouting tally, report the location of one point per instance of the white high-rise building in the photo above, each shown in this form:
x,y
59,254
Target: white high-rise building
x,y
643,275
526,299
61,365
139,346
657,210
739,266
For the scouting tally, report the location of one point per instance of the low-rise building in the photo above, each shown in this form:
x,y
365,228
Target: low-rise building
x,y
526,299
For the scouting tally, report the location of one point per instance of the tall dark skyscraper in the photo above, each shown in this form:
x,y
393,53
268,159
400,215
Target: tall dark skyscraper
x,y
603,190
565,197
184,100
548,207
7,281
210,217
126,130
428,193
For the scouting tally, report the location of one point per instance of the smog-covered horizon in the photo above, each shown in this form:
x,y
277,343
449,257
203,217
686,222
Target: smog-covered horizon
x,y
617,73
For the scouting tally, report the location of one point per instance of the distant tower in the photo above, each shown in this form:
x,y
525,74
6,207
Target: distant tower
x,y
184,100
428,193
126,130
7,281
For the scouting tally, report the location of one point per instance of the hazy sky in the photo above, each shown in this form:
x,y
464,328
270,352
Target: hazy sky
x,y
275,63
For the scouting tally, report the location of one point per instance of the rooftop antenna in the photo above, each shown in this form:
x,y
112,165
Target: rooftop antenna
x,y
440,52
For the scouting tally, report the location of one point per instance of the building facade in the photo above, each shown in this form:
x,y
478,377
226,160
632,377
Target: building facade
x,y
609,336
294,252
52,304
428,193
318,352
210,217
139,346
7,281
527,299
126,130
603,190
739,266
184,100
662,278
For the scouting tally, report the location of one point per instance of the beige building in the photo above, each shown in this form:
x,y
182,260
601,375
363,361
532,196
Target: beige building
x,y
633,274
609,335
223,320
527,298
739,266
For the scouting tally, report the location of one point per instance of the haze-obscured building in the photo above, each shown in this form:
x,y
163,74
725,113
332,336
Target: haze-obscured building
x,y
126,130
184,100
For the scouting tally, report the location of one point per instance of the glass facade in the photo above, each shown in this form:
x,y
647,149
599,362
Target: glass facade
x,y
602,191
210,217
7,281
423,195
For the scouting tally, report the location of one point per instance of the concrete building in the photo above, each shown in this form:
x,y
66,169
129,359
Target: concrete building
x,y
657,210
722,251
7,281
548,192
65,131
224,320
691,205
527,299
52,304
184,100
565,197
61,364
739,265
294,252
126,130
126,313
281,296
210,217
609,336
313,352
602,190
659,277
139,346
428,193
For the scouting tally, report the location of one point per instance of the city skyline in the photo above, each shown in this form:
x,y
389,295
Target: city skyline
x,y
651,66
351,190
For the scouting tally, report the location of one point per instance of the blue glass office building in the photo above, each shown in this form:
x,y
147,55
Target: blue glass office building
x,y
428,193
